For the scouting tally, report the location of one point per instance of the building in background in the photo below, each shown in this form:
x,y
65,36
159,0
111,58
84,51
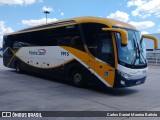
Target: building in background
x,y
153,56
150,43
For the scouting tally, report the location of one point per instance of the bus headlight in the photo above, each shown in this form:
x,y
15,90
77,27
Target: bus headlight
x,y
125,75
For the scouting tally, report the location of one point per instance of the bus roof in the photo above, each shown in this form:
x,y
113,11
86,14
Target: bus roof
x,y
109,22
78,20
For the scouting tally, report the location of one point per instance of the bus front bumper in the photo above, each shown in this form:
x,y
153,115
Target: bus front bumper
x,y
121,82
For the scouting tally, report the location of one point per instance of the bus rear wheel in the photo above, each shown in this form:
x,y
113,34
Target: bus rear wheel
x,y
78,78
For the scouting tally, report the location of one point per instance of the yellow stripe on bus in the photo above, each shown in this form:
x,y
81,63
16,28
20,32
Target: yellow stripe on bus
x,y
12,57
98,67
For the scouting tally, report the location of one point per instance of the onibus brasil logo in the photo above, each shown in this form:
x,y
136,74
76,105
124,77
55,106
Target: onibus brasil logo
x,y
37,52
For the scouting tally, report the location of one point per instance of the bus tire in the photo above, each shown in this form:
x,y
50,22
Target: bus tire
x,y
78,78
18,67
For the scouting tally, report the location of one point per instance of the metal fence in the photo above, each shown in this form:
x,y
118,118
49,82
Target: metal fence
x,y
153,59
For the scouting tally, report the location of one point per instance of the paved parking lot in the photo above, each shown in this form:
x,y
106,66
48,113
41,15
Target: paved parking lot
x,y
25,92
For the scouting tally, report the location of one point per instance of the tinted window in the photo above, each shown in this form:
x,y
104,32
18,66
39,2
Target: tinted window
x,y
99,42
62,36
68,36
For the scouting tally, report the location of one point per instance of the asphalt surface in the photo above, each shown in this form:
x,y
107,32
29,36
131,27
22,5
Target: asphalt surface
x,y
26,92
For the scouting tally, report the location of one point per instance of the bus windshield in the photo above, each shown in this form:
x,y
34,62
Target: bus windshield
x,y
135,52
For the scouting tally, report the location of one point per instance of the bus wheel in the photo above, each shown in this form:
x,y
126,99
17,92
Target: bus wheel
x,y
18,67
78,79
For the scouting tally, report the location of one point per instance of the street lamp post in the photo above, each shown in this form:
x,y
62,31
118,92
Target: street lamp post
x,y
46,12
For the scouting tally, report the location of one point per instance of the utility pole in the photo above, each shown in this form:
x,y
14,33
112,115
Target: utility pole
x,y
46,12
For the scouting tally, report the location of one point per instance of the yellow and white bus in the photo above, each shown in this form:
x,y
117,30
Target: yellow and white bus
x,y
84,49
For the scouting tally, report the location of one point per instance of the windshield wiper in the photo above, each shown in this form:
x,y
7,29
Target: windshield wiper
x,y
136,50
142,56
138,53
138,56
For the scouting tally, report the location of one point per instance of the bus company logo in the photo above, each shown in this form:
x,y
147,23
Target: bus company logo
x,y
37,52
6,114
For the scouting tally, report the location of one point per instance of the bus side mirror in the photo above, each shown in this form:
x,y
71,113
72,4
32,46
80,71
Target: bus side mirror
x,y
123,33
151,38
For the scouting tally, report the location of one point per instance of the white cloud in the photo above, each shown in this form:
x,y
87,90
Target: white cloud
x,y
4,30
144,32
62,13
122,16
119,15
38,22
49,9
135,3
145,8
142,25
19,2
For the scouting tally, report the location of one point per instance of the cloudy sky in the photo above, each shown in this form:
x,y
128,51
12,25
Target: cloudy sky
x,y
20,14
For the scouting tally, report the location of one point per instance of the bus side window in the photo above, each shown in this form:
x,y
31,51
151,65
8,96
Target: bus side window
x,y
106,46
99,42
69,36
54,42
63,41
17,45
106,50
